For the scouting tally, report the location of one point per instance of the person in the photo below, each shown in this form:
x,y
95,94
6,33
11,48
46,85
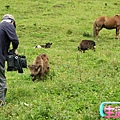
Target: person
x,y
7,36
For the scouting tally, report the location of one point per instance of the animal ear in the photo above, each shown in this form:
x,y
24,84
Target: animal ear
x,y
29,66
44,55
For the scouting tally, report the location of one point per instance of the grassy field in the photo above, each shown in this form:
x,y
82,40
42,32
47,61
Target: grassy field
x,y
77,82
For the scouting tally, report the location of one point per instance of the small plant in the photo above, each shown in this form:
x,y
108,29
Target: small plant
x,y
7,6
69,32
86,34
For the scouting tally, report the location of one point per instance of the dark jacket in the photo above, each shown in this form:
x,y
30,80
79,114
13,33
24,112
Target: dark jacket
x,y
7,36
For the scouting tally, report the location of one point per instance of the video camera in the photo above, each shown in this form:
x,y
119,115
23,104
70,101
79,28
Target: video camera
x,y
16,62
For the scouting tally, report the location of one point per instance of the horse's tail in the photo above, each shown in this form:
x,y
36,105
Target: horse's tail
x,y
94,29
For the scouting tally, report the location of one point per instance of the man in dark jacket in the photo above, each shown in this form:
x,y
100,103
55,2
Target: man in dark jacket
x,y
7,36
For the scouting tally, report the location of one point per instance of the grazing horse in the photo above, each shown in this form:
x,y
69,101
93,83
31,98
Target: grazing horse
x,y
108,23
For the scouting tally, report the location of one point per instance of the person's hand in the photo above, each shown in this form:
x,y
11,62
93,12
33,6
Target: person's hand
x,y
16,52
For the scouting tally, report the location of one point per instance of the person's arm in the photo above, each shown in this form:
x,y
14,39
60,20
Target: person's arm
x,y
15,51
13,37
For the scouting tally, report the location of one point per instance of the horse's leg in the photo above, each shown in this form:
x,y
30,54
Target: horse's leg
x,y
96,28
97,31
117,32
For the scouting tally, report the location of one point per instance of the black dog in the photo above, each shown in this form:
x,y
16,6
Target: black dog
x,y
86,44
47,45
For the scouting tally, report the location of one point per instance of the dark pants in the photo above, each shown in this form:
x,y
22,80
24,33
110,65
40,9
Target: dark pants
x,y
3,86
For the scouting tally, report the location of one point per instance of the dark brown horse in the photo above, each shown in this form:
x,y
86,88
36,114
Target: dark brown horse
x,y
108,23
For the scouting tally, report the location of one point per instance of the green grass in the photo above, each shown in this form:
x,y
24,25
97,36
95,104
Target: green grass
x,y
77,83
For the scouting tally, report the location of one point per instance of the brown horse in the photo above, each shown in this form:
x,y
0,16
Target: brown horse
x,y
108,23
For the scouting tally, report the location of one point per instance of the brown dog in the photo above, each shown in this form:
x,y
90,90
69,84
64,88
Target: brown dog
x,y
40,67
86,45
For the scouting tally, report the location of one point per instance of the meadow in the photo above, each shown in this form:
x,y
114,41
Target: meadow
x,y
77,82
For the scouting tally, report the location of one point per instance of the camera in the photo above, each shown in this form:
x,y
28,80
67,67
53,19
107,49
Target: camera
x,y
16,62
